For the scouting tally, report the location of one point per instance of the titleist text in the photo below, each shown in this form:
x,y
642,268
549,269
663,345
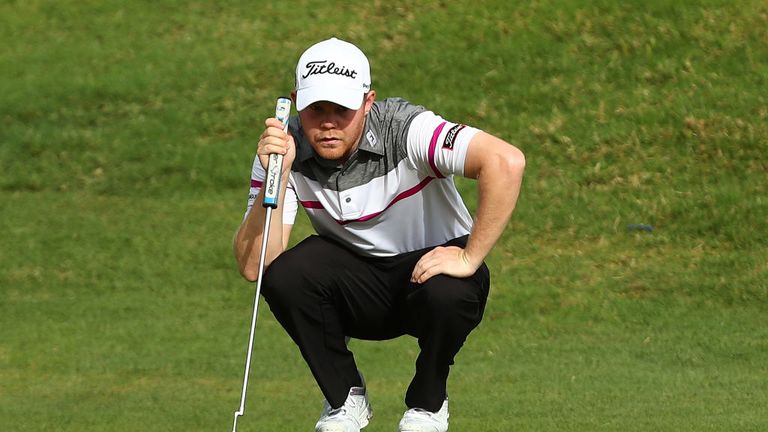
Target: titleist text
x,y
323,67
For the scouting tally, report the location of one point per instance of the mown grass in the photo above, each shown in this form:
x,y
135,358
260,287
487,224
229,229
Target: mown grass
x,y
126,136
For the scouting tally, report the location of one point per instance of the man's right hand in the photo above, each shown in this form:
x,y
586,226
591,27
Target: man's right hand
x,y
274,141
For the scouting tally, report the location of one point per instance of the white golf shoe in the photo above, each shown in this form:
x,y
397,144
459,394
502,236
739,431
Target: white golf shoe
x,y
419,420
351,417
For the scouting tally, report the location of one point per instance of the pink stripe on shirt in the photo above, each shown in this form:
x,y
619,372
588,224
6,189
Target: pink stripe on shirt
x,y
312,204
401,196
433,148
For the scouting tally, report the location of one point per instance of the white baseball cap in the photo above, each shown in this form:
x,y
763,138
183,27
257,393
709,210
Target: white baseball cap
x,y
332,70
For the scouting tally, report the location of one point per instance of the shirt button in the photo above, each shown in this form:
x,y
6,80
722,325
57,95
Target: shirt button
x,y
348,199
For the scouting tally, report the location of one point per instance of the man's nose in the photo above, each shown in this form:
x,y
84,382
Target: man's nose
x,y
329,121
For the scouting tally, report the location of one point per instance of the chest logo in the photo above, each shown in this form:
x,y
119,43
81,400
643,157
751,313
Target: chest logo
x,y
371,138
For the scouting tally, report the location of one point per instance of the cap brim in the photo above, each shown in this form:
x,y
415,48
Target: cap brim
x,y
349,98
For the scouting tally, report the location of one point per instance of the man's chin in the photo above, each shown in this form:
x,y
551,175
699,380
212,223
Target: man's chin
x,y
330,154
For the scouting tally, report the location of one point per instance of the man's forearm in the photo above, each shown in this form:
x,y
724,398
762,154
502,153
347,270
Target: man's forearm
x,y
249,237
498,185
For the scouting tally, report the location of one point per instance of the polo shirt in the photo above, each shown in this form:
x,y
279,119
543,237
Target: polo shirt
x,y
395,194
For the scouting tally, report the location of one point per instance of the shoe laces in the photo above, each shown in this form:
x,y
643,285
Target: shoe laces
x,y
337,412
350,403
421,412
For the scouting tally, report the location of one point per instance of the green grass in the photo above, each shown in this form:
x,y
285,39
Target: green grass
x,y
127,130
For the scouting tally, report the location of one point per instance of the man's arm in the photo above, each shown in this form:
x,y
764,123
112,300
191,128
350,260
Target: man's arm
x,y
249,236
498,168
248,239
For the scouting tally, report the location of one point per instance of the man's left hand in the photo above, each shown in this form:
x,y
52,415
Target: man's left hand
x,y
447,260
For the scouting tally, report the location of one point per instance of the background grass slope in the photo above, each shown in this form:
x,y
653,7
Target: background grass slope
x,y
127,130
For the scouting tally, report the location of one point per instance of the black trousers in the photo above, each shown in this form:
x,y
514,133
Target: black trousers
x,y
321,292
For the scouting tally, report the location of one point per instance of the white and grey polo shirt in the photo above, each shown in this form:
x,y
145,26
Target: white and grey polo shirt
x,y
395,194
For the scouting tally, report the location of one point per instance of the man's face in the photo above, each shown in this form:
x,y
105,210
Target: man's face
x,y
333,130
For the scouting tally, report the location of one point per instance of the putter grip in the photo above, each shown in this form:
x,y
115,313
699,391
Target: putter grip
x,y
274,167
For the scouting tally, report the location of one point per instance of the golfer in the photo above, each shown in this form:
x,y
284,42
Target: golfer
x,y
396,251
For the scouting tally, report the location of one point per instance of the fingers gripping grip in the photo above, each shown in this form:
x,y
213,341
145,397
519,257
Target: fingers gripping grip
x,y
275,165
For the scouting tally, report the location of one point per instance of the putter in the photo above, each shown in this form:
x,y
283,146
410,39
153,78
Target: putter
x,y
271,192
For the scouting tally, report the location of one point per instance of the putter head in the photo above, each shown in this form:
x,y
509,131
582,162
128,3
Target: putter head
x,y
234,425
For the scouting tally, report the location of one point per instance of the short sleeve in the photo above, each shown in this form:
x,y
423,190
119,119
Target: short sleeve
x,y
437,147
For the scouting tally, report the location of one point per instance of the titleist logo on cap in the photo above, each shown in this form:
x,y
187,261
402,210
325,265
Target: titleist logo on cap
x,y
324,67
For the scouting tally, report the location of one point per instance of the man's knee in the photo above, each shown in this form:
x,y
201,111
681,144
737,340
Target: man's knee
x,y
446,298
285,283
294,276
277,284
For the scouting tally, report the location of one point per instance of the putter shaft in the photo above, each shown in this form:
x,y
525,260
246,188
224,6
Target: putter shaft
x,y
246,373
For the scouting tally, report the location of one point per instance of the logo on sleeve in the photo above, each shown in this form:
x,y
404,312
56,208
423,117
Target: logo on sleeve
x,y
450,137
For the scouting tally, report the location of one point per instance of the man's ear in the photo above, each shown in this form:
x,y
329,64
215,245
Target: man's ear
x,y
370,97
